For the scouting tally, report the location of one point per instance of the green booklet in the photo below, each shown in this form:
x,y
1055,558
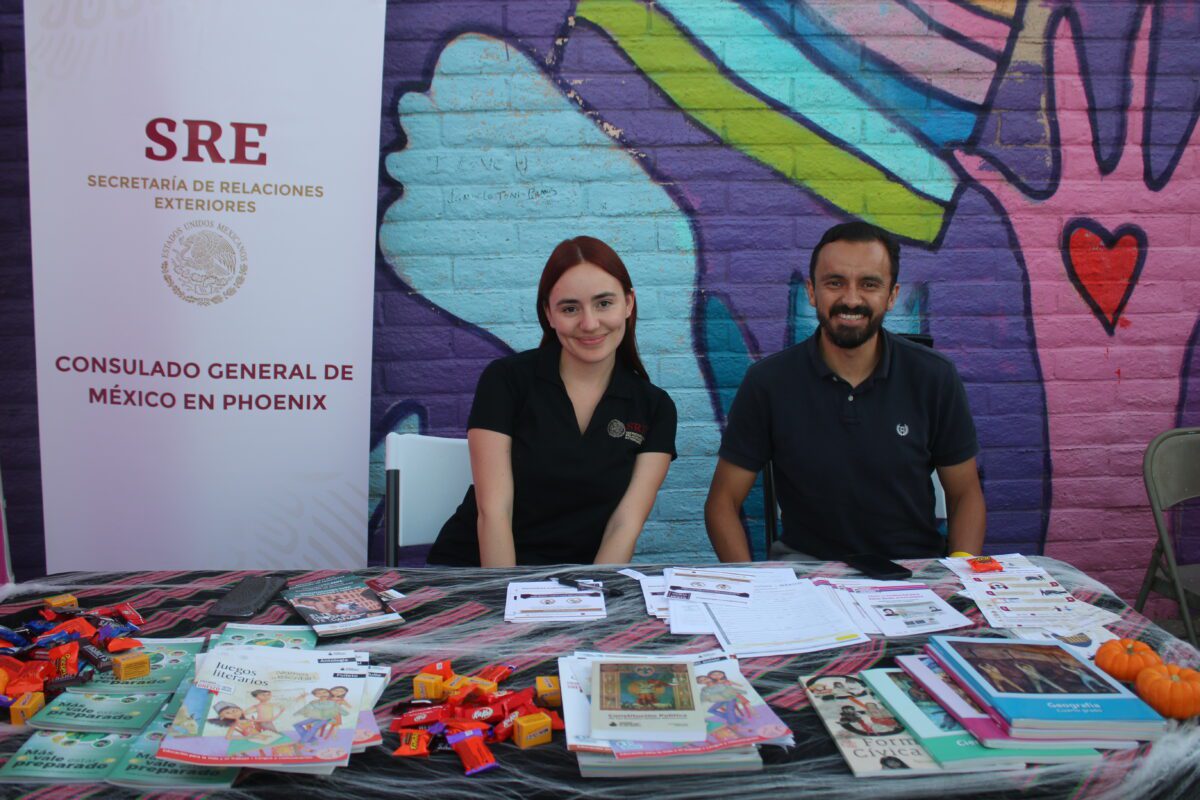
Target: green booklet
x,y
121,759
102,713
141,767
65,756
170,661
294,637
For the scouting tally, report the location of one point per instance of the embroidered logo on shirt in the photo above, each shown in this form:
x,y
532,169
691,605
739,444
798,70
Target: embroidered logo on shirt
x,y
631,431
902,429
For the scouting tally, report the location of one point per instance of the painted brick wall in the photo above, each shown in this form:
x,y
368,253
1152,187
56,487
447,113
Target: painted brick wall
x,y
1038,160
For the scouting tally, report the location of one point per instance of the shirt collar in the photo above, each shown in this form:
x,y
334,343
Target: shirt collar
x,y
812,346
621,384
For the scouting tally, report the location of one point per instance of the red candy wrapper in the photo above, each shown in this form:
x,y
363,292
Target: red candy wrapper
x,y
441,668
413,742
64,660
517,699
74,625
985,564
419,716
130,614
470,692
117,645
474,754
496,673
12,666
504,728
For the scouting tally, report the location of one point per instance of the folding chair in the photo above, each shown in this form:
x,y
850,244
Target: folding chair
x,y
1171,470
425,480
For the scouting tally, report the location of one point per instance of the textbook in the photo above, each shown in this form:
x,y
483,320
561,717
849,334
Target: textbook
x,y
735,715
107,713
967,712
873,742
738,759
946,740
340,605
651,701
736,719
170,661
272,709
289,637
1042,688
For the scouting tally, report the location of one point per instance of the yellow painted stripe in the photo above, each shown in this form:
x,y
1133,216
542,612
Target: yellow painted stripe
x,y
1001,8
664,54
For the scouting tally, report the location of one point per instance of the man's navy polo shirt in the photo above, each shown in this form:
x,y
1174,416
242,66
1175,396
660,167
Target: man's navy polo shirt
x,y
852,465
565,484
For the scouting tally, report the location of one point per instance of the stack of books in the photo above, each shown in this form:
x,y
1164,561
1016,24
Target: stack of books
x,y
632,715
1043,691
977,704
277,709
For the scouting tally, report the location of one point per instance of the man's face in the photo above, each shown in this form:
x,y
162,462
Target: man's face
x,y
852,290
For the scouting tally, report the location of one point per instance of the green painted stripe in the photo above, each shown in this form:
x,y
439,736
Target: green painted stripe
x,y
662,52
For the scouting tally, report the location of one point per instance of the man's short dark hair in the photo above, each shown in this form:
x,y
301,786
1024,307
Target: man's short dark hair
x,y
858,231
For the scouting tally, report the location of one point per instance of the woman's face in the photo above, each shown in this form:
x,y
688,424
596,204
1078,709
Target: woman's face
x,y
230,712
587,310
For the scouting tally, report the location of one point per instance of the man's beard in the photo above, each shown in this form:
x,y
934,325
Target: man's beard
x,y
850,338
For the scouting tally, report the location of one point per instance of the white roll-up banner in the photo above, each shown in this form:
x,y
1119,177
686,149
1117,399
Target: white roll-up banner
x,y
203,188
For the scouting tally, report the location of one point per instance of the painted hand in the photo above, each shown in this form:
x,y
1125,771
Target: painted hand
x,y
1102,254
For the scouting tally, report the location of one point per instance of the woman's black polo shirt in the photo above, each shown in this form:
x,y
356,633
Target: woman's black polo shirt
x,y
565,484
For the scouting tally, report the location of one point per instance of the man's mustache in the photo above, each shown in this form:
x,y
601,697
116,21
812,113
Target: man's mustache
x,y
844,309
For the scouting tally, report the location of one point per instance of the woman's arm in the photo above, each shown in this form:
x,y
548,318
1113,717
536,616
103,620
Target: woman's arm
x,y
491,469
625,525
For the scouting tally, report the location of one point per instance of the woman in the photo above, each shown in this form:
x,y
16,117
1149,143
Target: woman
x,y
569,442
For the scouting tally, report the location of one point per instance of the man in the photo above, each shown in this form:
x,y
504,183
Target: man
x,y
854,419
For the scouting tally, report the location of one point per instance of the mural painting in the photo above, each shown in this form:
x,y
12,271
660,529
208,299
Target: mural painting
x,y
1036,159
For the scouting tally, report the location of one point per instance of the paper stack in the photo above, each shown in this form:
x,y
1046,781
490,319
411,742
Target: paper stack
x,y
1023,595
550,601
892,608
632,714
753,611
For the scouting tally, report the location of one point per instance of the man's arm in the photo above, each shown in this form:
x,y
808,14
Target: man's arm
x,y
964,507
730,485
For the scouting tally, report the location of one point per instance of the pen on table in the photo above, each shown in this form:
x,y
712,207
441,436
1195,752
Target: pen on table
x,y
608,592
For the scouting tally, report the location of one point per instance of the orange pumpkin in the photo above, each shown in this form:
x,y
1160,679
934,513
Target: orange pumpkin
x,y
1171,690
1125,658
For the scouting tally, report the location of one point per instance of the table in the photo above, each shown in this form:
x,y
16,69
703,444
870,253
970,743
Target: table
x,y
458,614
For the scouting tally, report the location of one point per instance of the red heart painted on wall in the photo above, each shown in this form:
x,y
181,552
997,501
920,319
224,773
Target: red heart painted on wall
x,y
1104,267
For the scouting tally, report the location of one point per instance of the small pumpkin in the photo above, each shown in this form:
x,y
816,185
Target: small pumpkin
x,y
1170,689
1125,658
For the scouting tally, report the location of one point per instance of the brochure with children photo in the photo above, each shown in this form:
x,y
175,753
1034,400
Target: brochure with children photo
x,y
249,710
